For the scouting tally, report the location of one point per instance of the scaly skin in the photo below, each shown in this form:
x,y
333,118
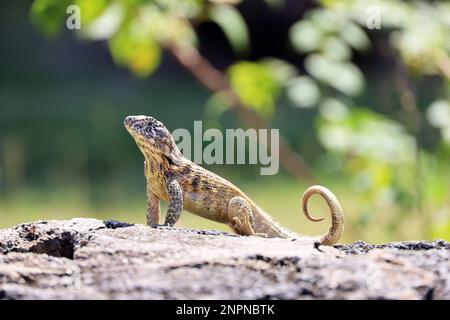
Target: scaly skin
x,y
185,185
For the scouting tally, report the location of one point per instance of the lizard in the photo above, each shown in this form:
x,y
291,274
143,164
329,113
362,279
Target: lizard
x,y
185,185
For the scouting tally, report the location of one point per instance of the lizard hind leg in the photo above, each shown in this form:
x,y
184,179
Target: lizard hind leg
x,y
241,218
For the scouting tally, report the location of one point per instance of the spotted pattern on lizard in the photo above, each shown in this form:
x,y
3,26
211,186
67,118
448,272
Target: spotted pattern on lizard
x,y
185,185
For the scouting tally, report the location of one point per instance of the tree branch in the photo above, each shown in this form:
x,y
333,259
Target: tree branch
x,y
216,81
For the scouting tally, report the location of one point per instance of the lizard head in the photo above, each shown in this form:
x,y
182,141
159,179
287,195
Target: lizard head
x,y
152,137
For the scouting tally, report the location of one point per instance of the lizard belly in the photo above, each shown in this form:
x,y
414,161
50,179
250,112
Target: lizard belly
x,y
200,204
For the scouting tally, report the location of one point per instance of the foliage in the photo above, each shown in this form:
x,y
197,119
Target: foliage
x,y
383,154
256,84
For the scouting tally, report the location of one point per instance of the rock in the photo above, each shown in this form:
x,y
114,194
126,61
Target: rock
x,y
91,259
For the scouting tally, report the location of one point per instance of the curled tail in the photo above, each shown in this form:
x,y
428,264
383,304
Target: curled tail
x,y
337,214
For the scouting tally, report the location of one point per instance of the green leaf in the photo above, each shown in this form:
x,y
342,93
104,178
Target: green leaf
x,y
139,52
438,114
255,86
335,49
355,36
333,110
345,77
281,70
90,10
49,15
305,36
352,133
164,26
233,25
327,20
179,8
303,92
103,23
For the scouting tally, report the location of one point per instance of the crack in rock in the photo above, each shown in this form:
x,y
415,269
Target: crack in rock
x,y
114,224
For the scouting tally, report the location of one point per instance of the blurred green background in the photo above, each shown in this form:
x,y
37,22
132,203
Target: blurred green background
x,y
366,108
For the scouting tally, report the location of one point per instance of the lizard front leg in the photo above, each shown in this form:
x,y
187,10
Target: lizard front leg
x,y
153,209
175,203
241,218
153,201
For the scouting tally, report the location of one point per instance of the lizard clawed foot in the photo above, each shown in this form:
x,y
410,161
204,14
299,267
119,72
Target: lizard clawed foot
x,y
240,216
243,226
246,228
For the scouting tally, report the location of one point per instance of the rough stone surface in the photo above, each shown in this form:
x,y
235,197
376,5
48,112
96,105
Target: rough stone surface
x,y
93,259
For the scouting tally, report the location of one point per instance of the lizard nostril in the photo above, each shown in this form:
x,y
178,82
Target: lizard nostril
x,y
128,121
